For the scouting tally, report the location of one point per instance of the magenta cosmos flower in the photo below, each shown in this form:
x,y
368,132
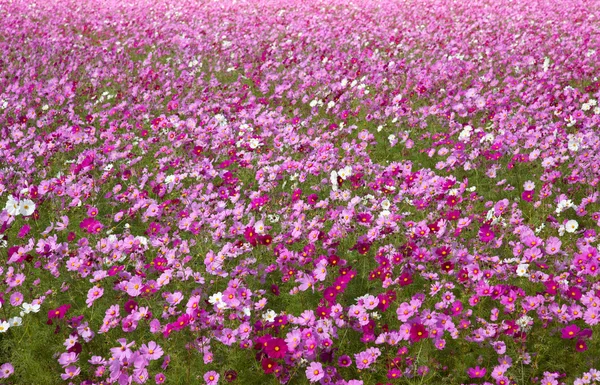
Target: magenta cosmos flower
x,y
276,348
570,332
160,378
486,234
418,332
476,372
581,346
344,361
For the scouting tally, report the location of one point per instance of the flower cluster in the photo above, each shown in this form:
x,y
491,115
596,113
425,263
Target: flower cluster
x,y
341,192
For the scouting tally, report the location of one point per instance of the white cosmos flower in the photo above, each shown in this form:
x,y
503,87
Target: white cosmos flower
x,y
574,144
143,240
333,179
524,321
269,316
384,213
4,326
30,308
15,321
345,172
571,226
26,207
522,269
215,298
12,206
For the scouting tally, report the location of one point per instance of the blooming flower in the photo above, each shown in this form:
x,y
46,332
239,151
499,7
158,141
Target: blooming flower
x,y
276,348
6,370
476,372
211,377
571,226
12,206
522,269
418,332
570,332
26,207
314,372
4,326
93,294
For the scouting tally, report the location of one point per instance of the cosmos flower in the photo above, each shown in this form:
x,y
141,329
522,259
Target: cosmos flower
x,y
12,206
418,332
6,370
570,331
476,372
211,377
314,372
276,348
26,207
486,234
571,226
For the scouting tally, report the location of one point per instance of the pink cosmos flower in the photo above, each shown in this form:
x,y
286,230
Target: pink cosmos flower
x,y
159,378
527,196
211,377
93,294
16,299
59,312
6,370
314,371
70,372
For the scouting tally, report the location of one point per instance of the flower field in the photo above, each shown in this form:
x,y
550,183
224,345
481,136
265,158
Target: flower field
x,y
295,192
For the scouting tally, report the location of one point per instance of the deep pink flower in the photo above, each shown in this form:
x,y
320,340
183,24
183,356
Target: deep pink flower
x,y
269,366
527,196
405,279
581,346
276,348
344,361
394,373
486,234
570,332
418,332
476,372
59,312
574,293
24,231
